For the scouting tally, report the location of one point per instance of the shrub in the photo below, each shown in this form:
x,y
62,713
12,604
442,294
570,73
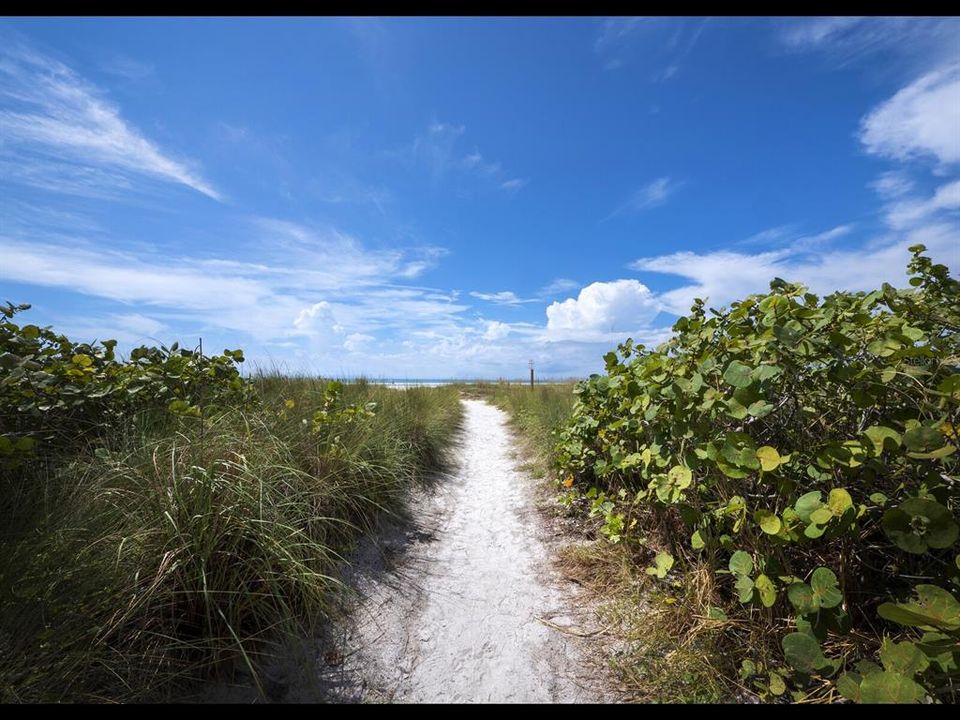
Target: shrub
x,y
805,449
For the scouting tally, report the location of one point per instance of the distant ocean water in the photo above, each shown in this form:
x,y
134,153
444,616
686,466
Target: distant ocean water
x,y
436,382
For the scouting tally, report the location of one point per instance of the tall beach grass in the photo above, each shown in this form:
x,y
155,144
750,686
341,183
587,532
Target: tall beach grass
x,y
181,549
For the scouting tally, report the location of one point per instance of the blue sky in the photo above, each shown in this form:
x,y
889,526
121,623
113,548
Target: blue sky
x,y
452,197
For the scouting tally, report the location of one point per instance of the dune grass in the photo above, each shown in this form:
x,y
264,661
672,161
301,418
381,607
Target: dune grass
x,y
179,549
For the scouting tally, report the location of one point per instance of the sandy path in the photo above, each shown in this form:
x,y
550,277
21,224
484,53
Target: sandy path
x,y
458,617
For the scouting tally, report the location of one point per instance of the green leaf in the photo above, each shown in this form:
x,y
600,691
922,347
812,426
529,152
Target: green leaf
x,y
807,504
839,501
933,607
738,374
803,653
801,597
920,523
848,685
769,458
696,541
715,613
680,477
766,590
768,522
882,438
777,686
945,451
662,564
826,592
923,439
878,498
741,563
765,372
889,688
903,657
745,587
821,516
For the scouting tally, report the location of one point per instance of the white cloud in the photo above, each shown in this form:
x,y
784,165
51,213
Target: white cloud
x,y
300,282
908,212
650,195
126,67
51,115
557,286
603,311
437,151
921,120
892,184
317,319
496,330
916,42
137,323
722,277
803,33
505,297
356,342
515,183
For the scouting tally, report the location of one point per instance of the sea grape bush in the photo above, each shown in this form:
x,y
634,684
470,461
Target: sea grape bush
x,y
805,449
54,391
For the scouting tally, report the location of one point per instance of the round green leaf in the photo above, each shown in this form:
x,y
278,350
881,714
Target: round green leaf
x,y
767,590
920,523
769,458
738,374
807,503
848,685
826,592
768,522
839,501
923,439
821,516
696,541
803,652
882,438
741,563
889,688
777,685
903,657
680,477
801,597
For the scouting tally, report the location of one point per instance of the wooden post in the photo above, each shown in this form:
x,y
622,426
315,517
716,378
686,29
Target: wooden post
x,y
531,373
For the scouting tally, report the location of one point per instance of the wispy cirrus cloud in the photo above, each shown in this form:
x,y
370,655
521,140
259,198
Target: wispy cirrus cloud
x,y
618,42
505,297
62,132
918,42
724,276
295,281
438,150
647,196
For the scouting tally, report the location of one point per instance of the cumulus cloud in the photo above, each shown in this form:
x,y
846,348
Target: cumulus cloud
x,y
496,330
603,311
317,318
